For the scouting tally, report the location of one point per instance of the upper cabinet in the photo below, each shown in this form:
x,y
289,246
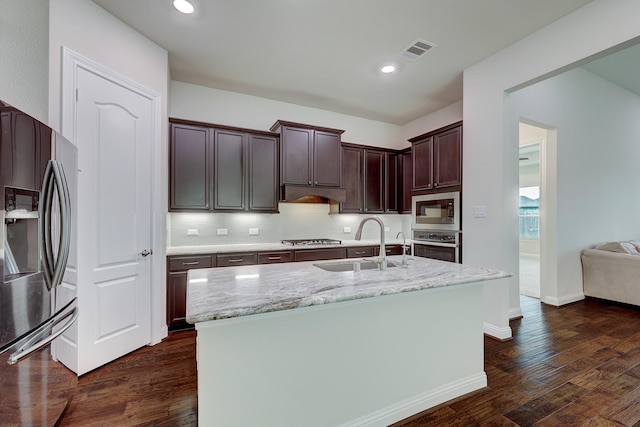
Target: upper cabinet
x,y
369,179
219,168
310,155
405,181
437,159
190,159
25,149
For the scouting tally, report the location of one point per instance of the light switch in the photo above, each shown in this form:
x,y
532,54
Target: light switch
x,y
192,231
222,231
480,211
254,231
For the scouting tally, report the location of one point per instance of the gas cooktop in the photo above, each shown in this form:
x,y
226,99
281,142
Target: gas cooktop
x,y
309,242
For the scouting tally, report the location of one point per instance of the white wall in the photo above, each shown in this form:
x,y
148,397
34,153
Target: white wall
x,y
597,163
90,31
221,107
24,49
443,117
490,153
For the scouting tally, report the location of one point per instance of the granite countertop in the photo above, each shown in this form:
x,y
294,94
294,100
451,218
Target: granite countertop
x,y
255,247
221,293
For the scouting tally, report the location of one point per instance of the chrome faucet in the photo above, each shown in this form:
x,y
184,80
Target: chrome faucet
x,y
404,264
382,262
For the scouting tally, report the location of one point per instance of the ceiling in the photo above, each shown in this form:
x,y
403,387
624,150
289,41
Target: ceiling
x,y
326,54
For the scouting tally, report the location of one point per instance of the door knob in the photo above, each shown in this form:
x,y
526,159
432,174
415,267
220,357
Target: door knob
x,y
146,252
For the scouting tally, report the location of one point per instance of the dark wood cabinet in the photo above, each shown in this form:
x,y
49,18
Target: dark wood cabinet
x,y
422,164
374,181
177,268
275,257
437,159
263,173
366,251
230,170
25,149
369,179
222,169
352,162
391,199
319,254
310,155
190,159
405,181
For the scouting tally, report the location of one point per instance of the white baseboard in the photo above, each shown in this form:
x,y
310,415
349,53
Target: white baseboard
x,y
497,332
417,404
515,313
567,299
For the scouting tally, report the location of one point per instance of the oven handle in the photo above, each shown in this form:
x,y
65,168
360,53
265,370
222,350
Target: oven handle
x,y
429,243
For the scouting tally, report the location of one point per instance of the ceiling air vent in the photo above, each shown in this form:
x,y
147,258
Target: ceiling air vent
x,y
416,50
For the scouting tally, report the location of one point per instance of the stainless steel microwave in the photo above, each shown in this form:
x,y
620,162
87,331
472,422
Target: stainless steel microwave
x,y
440,211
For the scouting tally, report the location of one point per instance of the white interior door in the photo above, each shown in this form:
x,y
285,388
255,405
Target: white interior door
x,y
113,132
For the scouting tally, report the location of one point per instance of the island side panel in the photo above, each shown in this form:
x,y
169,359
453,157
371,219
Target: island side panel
x,y
368,362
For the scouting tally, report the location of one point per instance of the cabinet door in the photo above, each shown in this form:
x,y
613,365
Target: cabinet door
x,y
447,158
296,156
391,183
177,300
189,169
320,254
422,161
406,182
352,179
229,161
263,173
374,181
326,155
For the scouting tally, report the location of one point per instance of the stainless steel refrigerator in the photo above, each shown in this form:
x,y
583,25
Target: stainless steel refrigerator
x,y
35,239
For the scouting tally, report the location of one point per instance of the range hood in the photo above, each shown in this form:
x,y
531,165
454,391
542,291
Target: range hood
x,y
304,194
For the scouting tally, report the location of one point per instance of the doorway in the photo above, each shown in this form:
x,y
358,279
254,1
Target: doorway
x,y
531,140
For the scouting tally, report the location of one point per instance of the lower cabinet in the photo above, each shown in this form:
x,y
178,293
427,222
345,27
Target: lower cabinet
x,y
178,267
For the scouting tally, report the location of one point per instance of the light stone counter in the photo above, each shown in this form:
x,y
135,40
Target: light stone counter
x,y
277,246
221,293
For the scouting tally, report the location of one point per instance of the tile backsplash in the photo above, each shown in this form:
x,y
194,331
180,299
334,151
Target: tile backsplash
x,y
295,221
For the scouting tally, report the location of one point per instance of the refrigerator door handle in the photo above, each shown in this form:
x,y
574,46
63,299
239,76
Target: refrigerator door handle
x,y
54,182
31,343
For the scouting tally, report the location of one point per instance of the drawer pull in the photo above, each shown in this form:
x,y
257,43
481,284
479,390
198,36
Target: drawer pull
x,y
274,258
360,252
191,263
236,260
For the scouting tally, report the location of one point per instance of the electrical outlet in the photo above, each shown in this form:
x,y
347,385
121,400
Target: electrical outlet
x,y
346,229
254,231
192,231
387,229
222,231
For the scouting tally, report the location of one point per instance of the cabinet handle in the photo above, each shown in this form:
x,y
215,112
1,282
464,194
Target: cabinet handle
x,y
387,251
191,263
274,258
435,185
316,183
236,260
360,252
309,182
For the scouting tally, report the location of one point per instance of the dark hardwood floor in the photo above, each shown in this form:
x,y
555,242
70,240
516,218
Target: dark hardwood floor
x,y
578,365
153,386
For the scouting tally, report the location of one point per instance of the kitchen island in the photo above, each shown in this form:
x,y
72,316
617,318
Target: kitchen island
x,y
294,344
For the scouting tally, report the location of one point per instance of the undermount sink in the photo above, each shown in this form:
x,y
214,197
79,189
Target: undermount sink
x,y
351,265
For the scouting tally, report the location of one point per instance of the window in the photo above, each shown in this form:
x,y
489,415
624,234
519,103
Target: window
x,y
530,212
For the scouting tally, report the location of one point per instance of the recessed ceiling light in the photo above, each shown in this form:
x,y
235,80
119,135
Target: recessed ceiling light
x,y
387,69
183,6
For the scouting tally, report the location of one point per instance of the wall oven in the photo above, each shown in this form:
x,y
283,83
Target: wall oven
x,y
436,226
441,245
